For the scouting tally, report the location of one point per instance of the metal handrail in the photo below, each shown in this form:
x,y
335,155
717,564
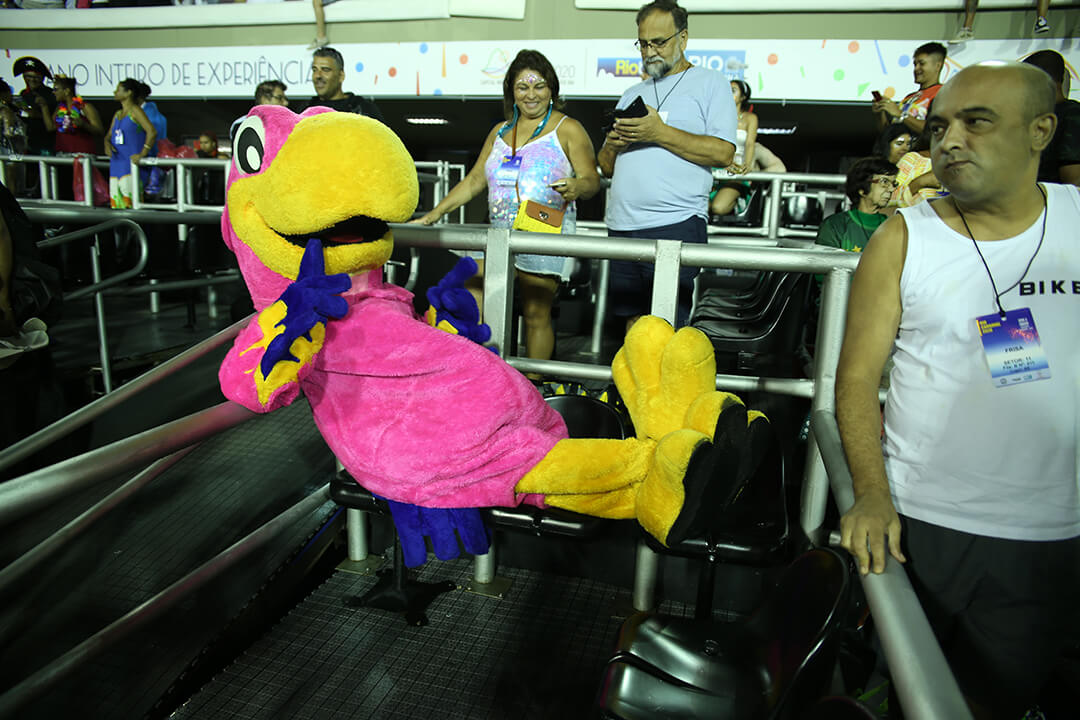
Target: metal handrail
x,y
99,285
33,686
93,230
892,613
69,423
182,166
922,678
69,532
33,491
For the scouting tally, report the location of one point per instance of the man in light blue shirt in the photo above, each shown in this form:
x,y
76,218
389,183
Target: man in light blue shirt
x,y
660,164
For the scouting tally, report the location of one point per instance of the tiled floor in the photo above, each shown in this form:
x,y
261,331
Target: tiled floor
x,y
537,652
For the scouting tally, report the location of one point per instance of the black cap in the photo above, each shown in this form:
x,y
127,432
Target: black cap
x,y
29,63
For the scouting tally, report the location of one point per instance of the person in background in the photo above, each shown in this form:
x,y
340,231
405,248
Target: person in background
x,y
327,77
967,28
271,92
869,187
209,182
927,64
915,179
765,160
1060,161
131,136
660,165
893,143
77,128
161,125
321,37
207,145
538,153
12,136
76,122
33,103
730,191
268,92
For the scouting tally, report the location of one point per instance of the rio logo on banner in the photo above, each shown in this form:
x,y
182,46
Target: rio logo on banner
x,y
729,62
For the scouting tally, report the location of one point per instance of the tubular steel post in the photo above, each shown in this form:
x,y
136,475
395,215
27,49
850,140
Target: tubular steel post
x,y
86,166
923,679
665,296
775,196
815,492
356,528
646,572
499,288
603,281
183,178
99,311
136,185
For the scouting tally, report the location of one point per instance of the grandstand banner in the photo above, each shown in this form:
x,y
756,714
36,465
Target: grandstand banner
x,y
786,70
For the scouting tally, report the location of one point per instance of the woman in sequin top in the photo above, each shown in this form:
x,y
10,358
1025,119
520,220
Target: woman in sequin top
x,y
539,154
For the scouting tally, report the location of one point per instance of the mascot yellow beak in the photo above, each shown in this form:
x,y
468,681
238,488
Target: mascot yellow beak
x,y
337,176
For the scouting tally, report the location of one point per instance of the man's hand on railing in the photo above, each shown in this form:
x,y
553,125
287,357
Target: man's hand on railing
x,y
867,527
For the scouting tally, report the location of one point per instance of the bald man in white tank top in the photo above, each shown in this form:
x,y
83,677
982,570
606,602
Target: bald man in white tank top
x,y
975,483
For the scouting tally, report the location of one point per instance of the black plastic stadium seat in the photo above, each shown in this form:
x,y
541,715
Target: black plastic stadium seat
x,y
774,664
754,530
585,417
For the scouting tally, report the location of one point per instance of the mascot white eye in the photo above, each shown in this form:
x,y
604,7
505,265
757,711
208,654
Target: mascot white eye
x,y
249,144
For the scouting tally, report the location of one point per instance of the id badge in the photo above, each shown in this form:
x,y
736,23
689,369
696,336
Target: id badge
x,y
1013,349
507,172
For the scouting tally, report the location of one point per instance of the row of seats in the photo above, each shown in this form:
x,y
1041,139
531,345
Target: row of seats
x,y
755,328
779,658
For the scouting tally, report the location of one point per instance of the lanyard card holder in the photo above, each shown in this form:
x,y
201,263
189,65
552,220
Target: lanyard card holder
x,y
1013,349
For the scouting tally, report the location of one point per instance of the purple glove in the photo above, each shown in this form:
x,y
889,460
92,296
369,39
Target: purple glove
x,y
313,298
456,305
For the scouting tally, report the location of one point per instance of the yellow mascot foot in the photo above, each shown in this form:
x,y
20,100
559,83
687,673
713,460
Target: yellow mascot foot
x,y
693,481
663,496
660,372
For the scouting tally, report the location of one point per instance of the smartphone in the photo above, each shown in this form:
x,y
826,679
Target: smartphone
x,y
636,109
877,95
558,185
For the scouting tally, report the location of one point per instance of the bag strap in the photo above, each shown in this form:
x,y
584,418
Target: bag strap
x,y
513,153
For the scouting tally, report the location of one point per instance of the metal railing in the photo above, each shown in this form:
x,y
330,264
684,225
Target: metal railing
x,y
100,284
782,186
48,191
918,668
908,640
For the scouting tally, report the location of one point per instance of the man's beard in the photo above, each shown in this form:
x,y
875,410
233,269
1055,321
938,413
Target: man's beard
x,y
657,67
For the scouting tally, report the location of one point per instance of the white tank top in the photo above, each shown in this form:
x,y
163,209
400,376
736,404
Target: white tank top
x,y
959,452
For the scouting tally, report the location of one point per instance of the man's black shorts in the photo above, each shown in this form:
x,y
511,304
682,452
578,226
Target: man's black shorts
x,y
1003,610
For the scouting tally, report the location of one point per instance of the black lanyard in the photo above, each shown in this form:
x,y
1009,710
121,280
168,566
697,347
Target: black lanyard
x,y
660,102
1042,234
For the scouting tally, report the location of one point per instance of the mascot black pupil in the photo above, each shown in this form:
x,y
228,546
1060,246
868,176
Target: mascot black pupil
x,y
249,150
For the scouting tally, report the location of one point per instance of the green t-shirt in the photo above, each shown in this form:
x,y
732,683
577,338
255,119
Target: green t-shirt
x,y
849,230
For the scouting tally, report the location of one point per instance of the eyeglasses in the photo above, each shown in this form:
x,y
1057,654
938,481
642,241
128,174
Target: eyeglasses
x,y
643,45
885,181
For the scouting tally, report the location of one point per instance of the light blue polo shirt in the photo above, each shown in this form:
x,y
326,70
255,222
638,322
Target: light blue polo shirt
x,y
651,186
